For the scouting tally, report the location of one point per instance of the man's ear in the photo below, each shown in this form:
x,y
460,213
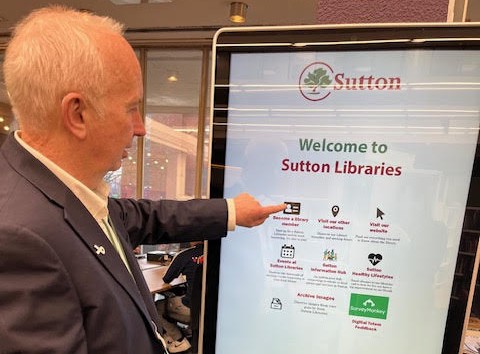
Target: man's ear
x,y
73,114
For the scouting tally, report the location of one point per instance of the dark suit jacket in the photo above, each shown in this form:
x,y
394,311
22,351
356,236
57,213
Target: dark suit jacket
x,y
57,295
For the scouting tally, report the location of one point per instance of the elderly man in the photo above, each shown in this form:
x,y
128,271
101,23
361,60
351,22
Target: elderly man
x,y
69,282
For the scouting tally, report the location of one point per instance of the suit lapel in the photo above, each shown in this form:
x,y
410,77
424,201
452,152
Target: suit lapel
x,y
94,238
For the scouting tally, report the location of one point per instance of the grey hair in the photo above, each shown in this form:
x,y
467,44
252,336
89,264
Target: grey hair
x,y
53,51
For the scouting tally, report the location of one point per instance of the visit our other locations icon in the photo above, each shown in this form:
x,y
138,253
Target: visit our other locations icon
x,y
335,210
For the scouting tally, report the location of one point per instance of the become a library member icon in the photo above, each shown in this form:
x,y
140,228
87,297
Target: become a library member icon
x,y
292,208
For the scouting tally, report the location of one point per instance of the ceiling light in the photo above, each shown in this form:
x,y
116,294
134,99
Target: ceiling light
x,y
238,12
173,77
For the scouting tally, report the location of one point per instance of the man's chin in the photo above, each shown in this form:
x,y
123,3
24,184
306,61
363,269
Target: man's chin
x,y
115,167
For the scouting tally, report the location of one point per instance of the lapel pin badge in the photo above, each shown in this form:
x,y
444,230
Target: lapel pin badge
x,y
99,249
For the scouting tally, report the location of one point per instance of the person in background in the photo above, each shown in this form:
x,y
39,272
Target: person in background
x,y
177,308
184,263
69,281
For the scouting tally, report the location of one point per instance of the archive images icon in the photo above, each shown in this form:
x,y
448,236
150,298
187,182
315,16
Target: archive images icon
x,y
276,304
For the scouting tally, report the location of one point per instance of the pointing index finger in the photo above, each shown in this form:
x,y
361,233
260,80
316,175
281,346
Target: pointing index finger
x,y
271,209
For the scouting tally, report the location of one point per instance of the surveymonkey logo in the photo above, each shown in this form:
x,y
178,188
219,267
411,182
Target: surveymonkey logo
x,y
318,80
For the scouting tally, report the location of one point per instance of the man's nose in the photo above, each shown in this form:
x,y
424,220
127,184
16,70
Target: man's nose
x,y
139,127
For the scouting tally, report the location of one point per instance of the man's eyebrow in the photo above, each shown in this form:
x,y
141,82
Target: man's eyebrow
x,y
134,103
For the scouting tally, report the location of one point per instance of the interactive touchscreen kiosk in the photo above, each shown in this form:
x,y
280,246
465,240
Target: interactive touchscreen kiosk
x,y
369,135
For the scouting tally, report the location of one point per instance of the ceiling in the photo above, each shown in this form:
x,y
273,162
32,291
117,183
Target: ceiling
x,y
177,14
187,14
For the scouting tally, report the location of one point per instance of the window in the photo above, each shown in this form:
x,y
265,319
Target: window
x,y
173,82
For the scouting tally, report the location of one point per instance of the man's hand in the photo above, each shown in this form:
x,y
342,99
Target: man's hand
x,y
250,213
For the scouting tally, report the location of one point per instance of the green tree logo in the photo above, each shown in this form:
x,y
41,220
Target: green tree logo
x,y
315,80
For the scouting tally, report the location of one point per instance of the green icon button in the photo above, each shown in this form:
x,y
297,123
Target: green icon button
x,y
368,306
